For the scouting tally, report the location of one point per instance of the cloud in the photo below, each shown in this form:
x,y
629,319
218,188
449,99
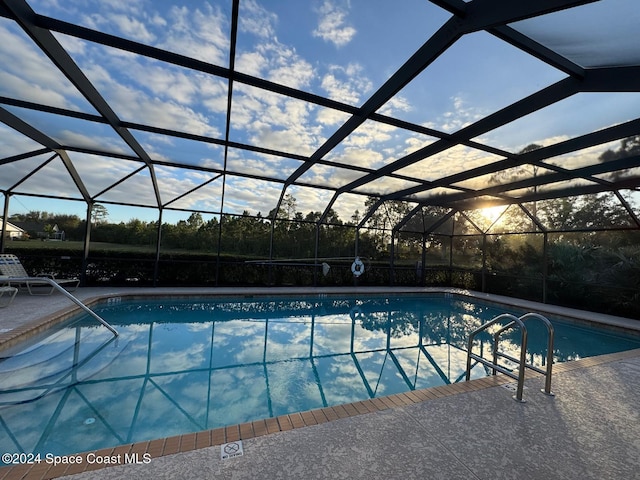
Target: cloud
x,y
416,143
137,189
174,182
385,185
328,117
257,20
126,6
91,141
310,199
131,28
332,25
251,195
259,164
368,133
326,175
347,204
451,161
459,116
98,172
292,72
54,179
155,95
14,143
28,74
179,86
274,121
362,157
251,63
288,140
202,34
396,104
346,84
278,63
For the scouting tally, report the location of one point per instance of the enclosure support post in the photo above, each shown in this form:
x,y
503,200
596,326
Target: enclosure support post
x,y
545,262
450,260
392,252
87,243
423,270
355,279
273,227
484,262
5,216
315,258
156,266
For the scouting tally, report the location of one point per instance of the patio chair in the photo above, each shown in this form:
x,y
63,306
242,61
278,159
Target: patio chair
x,y
11,267
8,290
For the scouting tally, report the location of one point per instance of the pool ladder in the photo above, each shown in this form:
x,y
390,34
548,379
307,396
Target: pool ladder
x,y
57,287
522,361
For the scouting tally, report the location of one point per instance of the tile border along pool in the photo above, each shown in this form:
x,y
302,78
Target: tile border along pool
x,y
30,315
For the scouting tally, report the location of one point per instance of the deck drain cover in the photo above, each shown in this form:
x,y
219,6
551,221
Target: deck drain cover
x,y
231,449
512,387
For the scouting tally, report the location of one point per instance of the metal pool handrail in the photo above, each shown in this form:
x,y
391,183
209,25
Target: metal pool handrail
x,y
522,364
550,337
63,291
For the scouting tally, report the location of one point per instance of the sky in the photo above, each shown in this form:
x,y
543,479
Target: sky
x,y
341,49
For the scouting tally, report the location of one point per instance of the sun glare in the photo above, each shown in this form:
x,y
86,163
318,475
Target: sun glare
x,y
492,214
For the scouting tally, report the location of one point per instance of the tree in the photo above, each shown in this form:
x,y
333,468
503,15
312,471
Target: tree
x,y
628,147
355,218
382,221
99,214
49,229
517,173
287,208
195,221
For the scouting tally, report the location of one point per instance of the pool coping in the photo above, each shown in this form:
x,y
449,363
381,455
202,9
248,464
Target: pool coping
x,y
219,436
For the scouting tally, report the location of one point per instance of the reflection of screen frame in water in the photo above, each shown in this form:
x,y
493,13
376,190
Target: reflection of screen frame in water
x,y
243,361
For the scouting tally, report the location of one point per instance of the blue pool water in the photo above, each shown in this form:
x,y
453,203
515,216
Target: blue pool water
x,y
188,365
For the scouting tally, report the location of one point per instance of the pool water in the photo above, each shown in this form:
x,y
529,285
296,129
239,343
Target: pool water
x,y
182,366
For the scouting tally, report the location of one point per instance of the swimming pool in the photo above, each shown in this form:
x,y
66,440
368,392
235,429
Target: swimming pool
x,y
189,365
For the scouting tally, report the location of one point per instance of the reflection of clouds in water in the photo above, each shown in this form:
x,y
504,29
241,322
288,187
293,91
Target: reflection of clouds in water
x,y
419,369
340,380
375,366
237,395
293,386
332,334
199,327
288,340
238,342
185,392
176,361
368,339
159,411
449,359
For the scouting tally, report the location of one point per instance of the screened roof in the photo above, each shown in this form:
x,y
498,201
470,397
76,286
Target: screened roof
x,y
226,106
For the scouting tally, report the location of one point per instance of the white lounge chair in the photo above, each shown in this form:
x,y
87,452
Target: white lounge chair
x,y
6,290
11,267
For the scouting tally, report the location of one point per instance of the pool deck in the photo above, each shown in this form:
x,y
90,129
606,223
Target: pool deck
x,y
590,429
